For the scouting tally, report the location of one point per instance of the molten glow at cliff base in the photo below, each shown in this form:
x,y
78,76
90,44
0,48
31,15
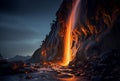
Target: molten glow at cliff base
x,y
67,56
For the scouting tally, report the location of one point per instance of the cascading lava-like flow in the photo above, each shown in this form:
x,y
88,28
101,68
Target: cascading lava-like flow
x,y
67,56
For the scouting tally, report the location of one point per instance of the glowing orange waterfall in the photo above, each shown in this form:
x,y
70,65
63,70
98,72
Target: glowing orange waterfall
x,y
67,57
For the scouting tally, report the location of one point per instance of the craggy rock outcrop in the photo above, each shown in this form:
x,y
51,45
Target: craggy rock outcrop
x,y
37,57
52,47
93,30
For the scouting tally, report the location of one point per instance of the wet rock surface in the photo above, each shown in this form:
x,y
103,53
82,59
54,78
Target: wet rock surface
x,y
104,67
45,73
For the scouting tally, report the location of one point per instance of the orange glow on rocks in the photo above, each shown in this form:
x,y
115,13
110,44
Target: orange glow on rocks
x,y
44,53
67,56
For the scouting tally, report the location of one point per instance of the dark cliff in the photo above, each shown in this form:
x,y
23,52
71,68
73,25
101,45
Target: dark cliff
x,y
97,30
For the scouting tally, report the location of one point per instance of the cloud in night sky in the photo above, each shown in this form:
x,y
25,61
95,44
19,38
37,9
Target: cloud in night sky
x,y
24,24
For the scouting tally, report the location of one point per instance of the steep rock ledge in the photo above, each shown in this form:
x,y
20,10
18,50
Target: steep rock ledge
x,y
97,25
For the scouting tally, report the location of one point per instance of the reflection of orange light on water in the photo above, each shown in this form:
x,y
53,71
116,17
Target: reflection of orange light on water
x,y
72,78
67,56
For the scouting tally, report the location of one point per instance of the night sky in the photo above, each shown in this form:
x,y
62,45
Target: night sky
x,y
24,24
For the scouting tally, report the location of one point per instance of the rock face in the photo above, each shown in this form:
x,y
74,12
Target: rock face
x,y
37,57
96,28
52,46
